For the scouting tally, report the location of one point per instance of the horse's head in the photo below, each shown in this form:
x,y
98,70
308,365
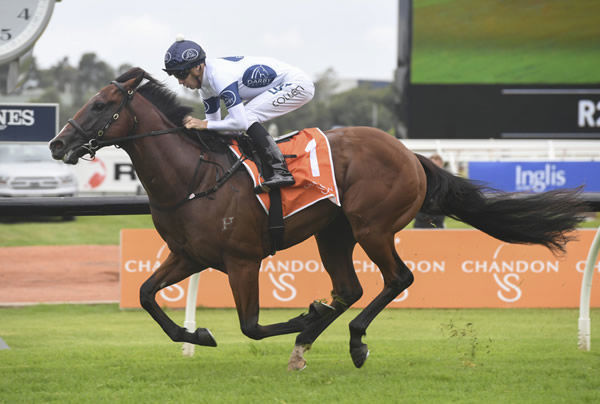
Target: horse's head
x,y
105,117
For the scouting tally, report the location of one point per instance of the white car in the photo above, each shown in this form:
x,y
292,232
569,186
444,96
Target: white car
x,y
27,169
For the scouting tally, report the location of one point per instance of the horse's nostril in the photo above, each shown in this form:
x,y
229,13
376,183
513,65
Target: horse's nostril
x,y
56,145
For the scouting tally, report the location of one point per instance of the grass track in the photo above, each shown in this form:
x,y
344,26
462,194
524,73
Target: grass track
x,y
70,353
105,230
94,230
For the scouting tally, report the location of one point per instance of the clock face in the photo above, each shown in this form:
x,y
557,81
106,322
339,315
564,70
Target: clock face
x,y
21,24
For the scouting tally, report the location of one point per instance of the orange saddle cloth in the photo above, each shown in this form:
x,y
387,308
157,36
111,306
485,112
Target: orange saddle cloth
x,y
311,166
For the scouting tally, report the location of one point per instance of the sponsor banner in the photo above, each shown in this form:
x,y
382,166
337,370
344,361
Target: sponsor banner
x,y
110,171
482,111
28,122
452,268
537,176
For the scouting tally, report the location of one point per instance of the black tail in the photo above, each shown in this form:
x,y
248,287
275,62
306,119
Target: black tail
x,y
546,218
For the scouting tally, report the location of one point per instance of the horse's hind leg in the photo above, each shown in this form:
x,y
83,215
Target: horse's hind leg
x,y
397,277
336,244
173,270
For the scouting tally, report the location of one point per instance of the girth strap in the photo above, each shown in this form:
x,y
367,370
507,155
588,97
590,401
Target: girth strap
x,y
276,227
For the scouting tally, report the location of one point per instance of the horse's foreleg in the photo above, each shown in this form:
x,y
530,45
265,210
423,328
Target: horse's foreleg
x,y
243,280
173,270
336,244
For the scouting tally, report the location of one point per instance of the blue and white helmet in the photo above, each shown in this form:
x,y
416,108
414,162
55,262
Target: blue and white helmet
x,y
183,55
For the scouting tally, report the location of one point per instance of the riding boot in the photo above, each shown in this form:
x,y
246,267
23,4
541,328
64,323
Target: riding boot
x,y
276,172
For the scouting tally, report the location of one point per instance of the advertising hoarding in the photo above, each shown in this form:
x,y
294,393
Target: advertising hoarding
x,y
28,122
452,269
539,176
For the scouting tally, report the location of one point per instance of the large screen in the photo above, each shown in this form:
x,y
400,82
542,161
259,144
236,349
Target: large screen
x,y
506,41
505,69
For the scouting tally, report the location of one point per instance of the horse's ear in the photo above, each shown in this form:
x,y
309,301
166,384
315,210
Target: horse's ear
x,y
133,83
138,80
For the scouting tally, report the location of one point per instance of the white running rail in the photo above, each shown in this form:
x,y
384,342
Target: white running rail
x,y
586,291
190,312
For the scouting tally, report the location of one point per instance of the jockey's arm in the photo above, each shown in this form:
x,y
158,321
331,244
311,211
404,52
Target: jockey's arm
x,y
212,109
236,118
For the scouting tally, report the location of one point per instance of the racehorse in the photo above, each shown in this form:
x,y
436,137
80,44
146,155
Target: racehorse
x,y
382,185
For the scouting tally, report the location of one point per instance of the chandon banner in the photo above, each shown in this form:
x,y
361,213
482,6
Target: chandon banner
x,y
481,111
452,268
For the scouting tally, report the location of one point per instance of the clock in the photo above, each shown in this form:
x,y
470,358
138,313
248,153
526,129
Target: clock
x,y
21,24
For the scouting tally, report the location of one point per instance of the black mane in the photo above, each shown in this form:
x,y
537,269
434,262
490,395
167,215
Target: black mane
x,y
159,95
166,101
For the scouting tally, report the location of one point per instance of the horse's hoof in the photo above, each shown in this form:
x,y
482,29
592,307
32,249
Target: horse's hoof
x,y
297,361
359,355
204,337
299,364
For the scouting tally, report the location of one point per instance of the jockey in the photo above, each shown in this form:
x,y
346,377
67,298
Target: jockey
x,y
253,89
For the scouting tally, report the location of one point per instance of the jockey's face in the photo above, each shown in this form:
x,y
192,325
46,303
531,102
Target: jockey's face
x,y
193,80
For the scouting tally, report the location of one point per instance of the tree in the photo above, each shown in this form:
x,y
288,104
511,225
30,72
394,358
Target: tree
x,y
72,86
92,75
360,106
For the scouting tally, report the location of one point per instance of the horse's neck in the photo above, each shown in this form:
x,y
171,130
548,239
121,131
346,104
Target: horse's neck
x,y
166,165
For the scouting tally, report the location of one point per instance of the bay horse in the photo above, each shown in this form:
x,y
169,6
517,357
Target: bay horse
x,y
382,185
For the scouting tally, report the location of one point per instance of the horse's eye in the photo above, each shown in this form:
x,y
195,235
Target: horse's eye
x,y
98,106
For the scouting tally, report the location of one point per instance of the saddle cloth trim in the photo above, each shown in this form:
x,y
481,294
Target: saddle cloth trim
x,y
264,199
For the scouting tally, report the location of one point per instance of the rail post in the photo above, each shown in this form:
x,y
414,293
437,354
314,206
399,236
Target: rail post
x,y
584,298
190,312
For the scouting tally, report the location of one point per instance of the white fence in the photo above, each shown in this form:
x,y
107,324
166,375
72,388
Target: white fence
x,y
111,172
458,152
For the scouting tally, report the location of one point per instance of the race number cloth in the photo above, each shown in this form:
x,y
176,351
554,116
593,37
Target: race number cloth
x,y
311,167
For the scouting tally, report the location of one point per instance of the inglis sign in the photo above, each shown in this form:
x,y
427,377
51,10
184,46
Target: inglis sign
x,y
452,268
537,176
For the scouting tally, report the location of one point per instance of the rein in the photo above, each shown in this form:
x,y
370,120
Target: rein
x,y
96,142
218,184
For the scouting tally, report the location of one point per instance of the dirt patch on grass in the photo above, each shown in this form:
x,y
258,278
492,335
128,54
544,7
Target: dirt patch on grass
x,y
50,274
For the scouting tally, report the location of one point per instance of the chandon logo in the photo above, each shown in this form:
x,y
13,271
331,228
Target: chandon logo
x,y
508,288
284,291
505,283
506,273
173,293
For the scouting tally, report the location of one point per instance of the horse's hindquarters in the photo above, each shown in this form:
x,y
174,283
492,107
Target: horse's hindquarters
x,y
382,184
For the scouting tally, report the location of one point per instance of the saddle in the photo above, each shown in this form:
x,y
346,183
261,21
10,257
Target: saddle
x,y
308,157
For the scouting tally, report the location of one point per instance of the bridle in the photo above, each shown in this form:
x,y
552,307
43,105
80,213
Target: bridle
x,y
97,141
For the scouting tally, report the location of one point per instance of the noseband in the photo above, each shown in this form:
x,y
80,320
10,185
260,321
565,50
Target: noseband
x,y
96,140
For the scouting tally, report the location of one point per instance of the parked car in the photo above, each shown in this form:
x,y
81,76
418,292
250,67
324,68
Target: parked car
x,y
27,169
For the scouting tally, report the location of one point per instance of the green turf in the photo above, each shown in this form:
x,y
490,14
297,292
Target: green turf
x,y
74,354
105,230
97,230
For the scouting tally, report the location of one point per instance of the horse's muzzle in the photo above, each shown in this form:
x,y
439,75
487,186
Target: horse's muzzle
x,y
60,151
